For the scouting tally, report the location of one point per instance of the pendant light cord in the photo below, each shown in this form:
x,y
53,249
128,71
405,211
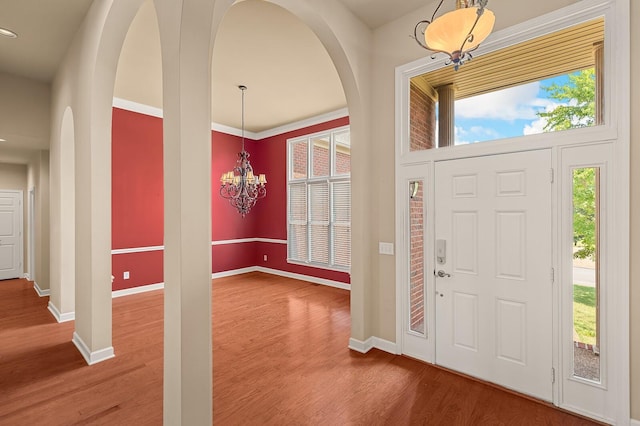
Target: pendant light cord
x,y
243,88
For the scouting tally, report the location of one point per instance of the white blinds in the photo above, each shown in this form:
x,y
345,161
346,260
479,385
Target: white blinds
x,y
297,211
319,221
341,218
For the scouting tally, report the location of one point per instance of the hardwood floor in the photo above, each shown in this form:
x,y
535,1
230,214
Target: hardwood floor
x,y
280,358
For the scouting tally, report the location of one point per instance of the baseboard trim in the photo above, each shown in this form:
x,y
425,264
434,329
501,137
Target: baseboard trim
x,y
60,317
233,272
360,346
385,345
322,281
41,292
373,342
92,357
136,290
26,276
634,422
315,280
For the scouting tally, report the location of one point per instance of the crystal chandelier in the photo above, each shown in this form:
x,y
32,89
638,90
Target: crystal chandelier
x,y
456,33
241,186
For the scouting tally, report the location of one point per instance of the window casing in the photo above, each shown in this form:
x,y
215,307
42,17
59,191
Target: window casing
x,y
319,199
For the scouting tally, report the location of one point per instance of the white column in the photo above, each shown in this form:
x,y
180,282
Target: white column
x,y
92,334
185,33
446,112
62,226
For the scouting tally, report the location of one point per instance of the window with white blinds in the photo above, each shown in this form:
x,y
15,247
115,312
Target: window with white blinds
x,y
319,199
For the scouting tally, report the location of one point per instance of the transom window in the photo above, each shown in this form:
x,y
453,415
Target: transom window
x,y
319,199
548,84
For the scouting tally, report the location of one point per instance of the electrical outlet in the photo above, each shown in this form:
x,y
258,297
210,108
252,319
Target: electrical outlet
x,y
264,257
125,275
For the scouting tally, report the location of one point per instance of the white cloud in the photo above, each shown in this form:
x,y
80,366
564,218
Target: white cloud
x,y
520,102
537,126
474,134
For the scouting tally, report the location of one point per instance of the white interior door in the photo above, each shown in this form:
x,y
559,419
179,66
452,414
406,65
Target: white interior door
x,y
494,311
10,234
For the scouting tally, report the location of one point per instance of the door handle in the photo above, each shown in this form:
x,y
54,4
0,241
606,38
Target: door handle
x,y
442,274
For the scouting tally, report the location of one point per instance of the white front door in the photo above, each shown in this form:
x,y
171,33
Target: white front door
x,y
493,237
10,234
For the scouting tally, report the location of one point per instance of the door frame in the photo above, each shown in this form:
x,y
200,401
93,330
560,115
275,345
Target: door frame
x,y
31,229
615,133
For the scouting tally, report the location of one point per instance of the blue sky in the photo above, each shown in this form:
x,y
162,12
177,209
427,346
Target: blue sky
x,y
505,113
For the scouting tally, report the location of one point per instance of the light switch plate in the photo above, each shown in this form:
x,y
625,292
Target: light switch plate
x,y
385,248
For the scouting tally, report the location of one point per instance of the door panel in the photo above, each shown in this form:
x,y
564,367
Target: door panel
x,y
493,313
10,235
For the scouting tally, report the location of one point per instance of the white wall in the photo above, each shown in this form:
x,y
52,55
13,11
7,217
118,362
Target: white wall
x,y
24,113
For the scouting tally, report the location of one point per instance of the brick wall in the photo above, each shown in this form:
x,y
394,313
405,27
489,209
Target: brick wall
x,y
422,120
320,158
343,161
300,160
416,257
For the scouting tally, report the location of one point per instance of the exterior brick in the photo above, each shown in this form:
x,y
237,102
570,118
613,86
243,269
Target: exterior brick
x,y
422,121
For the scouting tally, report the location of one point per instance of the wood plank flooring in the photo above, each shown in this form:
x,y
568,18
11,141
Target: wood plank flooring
x,y
280,357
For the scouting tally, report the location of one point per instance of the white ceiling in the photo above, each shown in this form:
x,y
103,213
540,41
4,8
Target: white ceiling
x,y
45,29
288,72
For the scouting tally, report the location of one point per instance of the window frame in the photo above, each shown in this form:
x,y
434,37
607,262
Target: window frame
x,y
330,179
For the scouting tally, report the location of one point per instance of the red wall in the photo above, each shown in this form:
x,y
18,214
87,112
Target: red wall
x,y
137,202
137,187
136,197
226,222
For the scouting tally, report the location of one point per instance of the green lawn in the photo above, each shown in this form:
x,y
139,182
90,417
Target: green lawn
x,y
584,313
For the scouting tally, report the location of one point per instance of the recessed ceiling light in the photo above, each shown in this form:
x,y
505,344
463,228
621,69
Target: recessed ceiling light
x,y
7,33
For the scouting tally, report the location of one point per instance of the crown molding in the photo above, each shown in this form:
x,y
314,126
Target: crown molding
x,y
290,127
136,107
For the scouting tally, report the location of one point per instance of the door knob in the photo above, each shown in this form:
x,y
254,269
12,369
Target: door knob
x,y
443,274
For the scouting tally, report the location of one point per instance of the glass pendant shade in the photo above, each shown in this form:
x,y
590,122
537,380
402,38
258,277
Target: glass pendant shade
x,y
448,33
456,33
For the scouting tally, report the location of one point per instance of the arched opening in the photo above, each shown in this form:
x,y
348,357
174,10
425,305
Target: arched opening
x,y
137,208
184,116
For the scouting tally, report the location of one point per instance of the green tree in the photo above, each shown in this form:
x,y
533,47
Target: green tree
x,y
584,212
577,102
577,109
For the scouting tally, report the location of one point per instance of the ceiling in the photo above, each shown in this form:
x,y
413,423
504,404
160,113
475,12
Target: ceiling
x,y
288,72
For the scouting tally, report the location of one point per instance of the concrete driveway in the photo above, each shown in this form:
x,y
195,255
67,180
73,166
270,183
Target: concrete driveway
x,y
584,276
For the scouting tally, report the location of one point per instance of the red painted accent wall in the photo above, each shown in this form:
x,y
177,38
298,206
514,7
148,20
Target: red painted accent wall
x,y
137,187
226,222
144,268
137,202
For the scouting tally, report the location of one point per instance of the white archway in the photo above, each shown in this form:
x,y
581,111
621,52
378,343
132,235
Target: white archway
x,y
86,82
346,41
